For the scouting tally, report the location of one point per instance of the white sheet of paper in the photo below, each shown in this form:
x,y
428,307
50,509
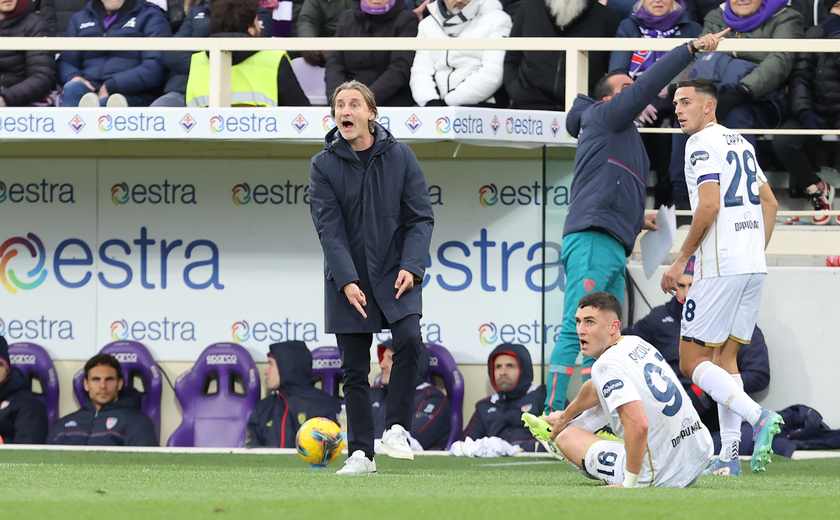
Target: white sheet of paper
x,y
657,244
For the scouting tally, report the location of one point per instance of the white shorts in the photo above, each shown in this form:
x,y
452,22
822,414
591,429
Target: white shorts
x,y
605,460
720,308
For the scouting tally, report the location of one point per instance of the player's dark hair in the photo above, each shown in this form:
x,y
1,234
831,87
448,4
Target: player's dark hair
x,y
603,88
104,359
603,301
703,86
233,16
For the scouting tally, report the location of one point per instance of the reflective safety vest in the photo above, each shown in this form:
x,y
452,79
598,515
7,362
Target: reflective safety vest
x,y
252,82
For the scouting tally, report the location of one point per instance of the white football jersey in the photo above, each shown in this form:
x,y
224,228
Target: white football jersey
x,y
735,243
633,370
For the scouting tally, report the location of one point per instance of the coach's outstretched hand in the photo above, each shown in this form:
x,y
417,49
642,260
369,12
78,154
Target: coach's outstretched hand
x,y
708,42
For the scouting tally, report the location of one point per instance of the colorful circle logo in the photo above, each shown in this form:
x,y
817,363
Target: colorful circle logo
x,y
2,327
105,124
487,333
241,331
329,123
119,198
488,195
442,125
7,251
2,191
509,125
241,194
116,335
217,124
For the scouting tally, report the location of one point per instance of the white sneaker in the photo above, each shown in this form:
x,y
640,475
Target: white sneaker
x,y
395,443
358,464
89,100
117,101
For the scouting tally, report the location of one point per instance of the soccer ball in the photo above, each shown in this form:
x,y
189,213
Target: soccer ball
x,y
319,441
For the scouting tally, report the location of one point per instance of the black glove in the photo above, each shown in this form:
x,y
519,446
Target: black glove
x,y
731,96
436,103
810,120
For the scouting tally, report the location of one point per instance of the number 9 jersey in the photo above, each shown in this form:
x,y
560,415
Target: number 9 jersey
x,y
735,243
679,444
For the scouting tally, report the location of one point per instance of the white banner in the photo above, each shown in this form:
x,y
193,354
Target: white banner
x,y
179,254
496,127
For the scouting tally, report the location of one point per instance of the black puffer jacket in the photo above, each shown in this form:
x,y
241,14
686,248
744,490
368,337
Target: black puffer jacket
x,y
385,72
25,76
23,419
57,14
815,80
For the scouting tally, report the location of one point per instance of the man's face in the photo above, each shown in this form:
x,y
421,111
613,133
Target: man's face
x,y
3,372
6,7
683,285
255,30
272,375
455,6
618,83
691,109
352,115
103,385
594,329
112,5
386,364
505,372
744,8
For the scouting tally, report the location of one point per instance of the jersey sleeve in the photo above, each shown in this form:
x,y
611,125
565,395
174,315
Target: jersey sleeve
x,y
615,386
703,159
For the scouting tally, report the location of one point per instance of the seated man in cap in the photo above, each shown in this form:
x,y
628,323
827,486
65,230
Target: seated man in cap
x,y
111,414
292,399
23,419
430,426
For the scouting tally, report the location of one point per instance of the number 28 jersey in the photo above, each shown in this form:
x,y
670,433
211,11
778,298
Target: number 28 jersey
x,y
735,243
678,442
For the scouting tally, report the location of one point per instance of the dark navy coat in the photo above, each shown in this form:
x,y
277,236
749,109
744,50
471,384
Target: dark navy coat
x,y
372,222
120,423
500,415
23,419
139,73
277,418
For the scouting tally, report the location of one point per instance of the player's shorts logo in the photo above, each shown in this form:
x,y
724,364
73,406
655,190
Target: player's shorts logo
x,y
611,386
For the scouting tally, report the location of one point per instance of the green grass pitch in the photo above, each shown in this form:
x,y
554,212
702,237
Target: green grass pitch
x,y
112,485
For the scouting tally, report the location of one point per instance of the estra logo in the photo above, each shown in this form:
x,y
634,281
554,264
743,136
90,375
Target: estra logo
x,y
524,195
487,333
523,126
155,330
286,330
240,332
35,276
165,193
275,194
36,328
523,333
37,192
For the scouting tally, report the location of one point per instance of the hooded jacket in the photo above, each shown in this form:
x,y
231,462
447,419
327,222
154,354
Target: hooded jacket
x,y
137,73
460,77
276,419
815,80
386,73
118,423
25,76
500,415
608,189
536,80
23,418
372,222
430,426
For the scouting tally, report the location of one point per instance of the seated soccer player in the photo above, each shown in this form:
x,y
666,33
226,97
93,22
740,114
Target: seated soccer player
x,y
292,399
111,413
636,391
661,328
23,419
431,426
499,415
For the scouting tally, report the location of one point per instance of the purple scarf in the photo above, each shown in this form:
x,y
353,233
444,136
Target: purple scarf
x,y
382,9
744,25
661,23
109,19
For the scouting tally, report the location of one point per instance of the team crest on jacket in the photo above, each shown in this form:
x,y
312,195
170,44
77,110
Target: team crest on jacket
x,y
110,422
4,405
525,408
301,418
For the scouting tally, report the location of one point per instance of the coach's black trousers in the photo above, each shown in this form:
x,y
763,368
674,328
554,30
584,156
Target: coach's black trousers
x,y
355,362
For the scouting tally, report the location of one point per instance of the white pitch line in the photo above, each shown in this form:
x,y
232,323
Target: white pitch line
x,y
518,463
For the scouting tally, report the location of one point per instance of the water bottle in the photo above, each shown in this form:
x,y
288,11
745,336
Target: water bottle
x,y
342,419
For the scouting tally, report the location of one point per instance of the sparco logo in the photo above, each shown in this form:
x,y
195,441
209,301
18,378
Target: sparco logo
x,y
614,384
126,357
326,363
221,359
22,359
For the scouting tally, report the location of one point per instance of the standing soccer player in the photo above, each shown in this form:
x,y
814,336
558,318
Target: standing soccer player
x,y
734,213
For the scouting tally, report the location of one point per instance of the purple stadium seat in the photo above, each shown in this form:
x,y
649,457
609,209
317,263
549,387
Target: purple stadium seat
x,y
326,366
442,364
217,396
35,363
136,361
